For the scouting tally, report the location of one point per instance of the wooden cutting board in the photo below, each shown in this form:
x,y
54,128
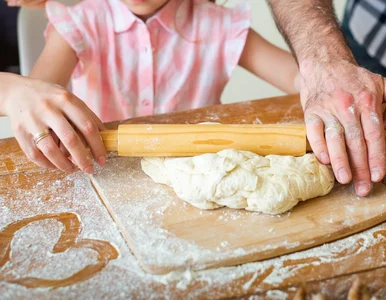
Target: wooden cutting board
x,y
167,234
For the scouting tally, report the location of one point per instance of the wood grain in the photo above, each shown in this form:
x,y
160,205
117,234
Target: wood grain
x,y
359,286
188,140
284,110
224,236
13,159
329,269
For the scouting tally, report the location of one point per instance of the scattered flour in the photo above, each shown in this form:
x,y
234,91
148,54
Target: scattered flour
x,y
257,121
123,277
248,284
277,295
374,118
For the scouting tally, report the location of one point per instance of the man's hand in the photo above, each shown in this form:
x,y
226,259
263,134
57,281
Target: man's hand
x,y
342,102
342,107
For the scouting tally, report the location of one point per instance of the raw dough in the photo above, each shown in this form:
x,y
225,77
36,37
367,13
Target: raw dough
x,y
240,179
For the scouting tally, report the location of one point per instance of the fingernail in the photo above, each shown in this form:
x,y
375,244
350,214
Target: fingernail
x,y
89,170
101,161
325,158
376,174
343,176
362,188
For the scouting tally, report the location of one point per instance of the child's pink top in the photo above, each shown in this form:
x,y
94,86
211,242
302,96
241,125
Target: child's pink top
x,y
180,58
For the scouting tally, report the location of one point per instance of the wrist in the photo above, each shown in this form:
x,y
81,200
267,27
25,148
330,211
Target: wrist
x,y
331,49
311,67
4,91
8,84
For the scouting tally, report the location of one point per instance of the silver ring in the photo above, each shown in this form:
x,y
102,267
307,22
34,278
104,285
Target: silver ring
x,y
41,135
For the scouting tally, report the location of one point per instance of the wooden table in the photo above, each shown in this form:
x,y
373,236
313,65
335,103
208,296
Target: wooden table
x,y
57,240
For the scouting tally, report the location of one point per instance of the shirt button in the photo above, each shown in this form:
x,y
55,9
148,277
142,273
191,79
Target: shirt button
x,y
145,102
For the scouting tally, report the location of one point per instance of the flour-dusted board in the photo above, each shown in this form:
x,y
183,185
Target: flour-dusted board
x,y
167,234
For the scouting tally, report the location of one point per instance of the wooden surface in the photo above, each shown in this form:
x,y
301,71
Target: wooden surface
x,y
28,192
222,237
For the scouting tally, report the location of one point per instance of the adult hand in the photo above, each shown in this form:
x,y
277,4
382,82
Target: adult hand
x,y
343,113
35,106
27,3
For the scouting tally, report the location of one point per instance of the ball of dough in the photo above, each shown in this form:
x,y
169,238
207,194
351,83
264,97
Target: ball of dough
x,y
240,179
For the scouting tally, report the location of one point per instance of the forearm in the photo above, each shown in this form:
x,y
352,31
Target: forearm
x,y
281,71
269,62
312,31
57,61
57,73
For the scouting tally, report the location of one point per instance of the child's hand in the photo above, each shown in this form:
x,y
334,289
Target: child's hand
x,y
27,3
35,106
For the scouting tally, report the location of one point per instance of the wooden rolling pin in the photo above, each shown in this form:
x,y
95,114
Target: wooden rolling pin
x,y
194,139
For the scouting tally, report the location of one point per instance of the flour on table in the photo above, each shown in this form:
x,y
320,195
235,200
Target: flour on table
x,y
243,180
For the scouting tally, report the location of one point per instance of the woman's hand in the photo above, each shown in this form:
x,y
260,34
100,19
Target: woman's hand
x,y
35,106
27,3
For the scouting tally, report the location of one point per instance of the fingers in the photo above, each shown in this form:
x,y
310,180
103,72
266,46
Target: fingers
x,y
372,124
97,121
335,139
315,135
347,98
326,137
357,151
49,148
366,143
52,107
349,111
26,144
71,142
88,125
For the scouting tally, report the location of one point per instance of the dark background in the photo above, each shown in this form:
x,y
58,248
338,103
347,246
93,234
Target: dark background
x,y
9,59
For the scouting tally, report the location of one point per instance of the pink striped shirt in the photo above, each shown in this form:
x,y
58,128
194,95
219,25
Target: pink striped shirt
x,y
180,58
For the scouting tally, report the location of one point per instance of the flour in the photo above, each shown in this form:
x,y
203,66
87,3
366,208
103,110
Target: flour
x,y
248,284
123,278
143,209
374,118
289,120
277,295
46,264
257,121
